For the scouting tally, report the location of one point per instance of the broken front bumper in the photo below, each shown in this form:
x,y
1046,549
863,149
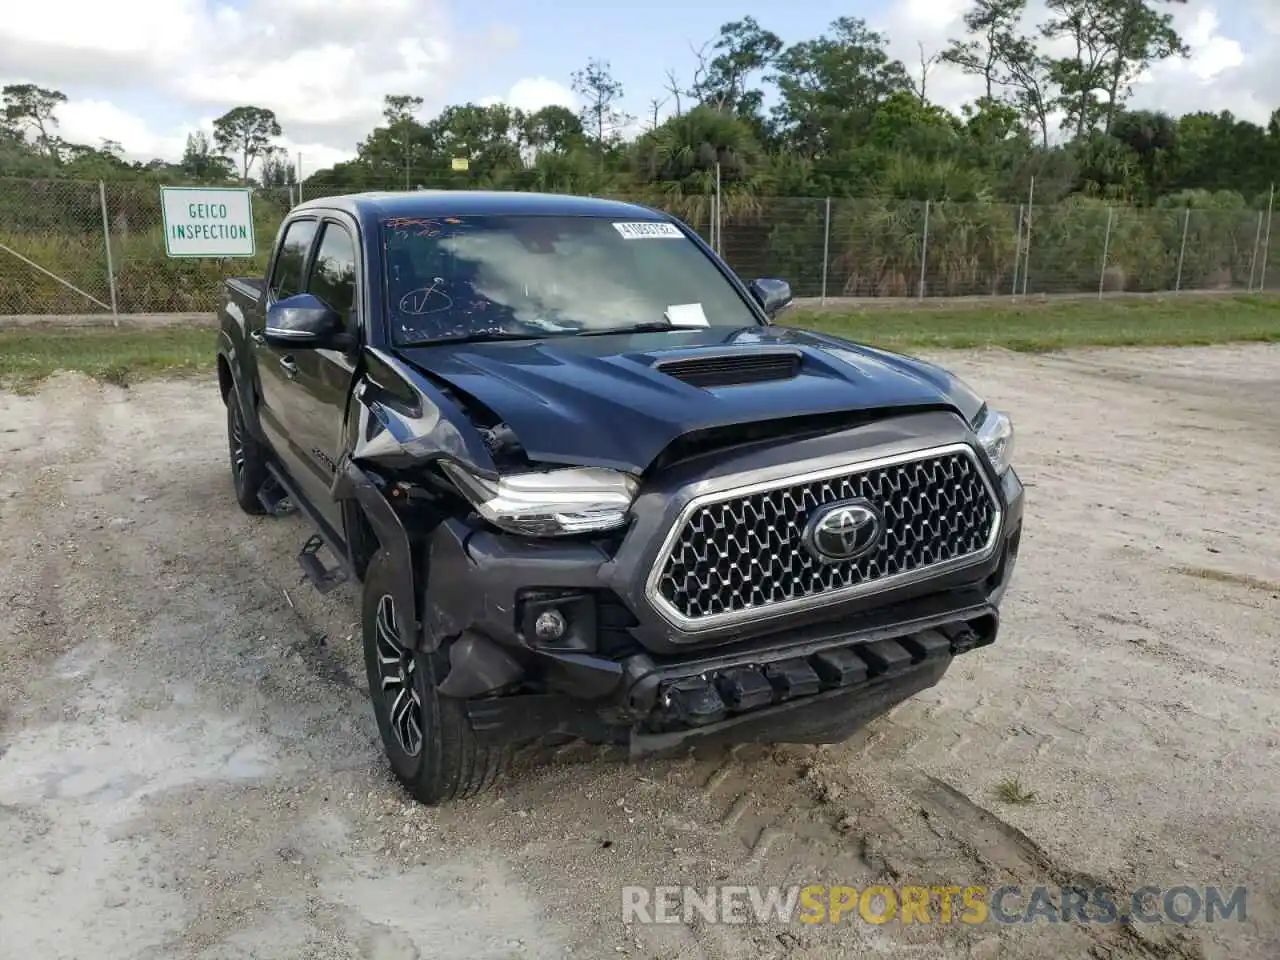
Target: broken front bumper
x,y
817,688
620,672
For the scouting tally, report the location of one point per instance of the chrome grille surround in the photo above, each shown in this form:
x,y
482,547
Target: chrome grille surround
x,y
735,555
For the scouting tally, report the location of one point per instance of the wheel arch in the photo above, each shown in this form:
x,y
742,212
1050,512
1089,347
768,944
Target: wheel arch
x,y
226,380
372,526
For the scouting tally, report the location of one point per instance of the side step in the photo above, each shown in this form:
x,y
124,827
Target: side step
x,y
275,498
322,578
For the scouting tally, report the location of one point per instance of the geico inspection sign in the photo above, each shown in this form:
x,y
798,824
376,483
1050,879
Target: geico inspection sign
x,y
207,221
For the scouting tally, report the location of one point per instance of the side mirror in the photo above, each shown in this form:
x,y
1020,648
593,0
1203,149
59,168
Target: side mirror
x,y
773,295
303,321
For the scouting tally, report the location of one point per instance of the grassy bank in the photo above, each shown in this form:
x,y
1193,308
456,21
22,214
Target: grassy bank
x,y
122,355
29,354
1171,322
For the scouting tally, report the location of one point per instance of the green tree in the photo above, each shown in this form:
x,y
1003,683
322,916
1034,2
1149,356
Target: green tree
x,y
488,137
602,113
276,170
903,123
830,88
1152,137
246,132
199,162
742,51
1008,61
403,129
30,109
554,128
1114,41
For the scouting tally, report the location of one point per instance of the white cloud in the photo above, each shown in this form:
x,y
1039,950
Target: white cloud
x,y
1211,53
323,66
1222,73
92,121
533,93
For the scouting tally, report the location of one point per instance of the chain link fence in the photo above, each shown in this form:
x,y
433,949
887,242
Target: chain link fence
x,y
69,247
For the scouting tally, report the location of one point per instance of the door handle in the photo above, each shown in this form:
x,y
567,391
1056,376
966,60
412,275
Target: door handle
x,y
289,366
258,337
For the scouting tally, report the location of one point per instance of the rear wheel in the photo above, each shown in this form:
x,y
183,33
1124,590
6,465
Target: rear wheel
x,y
248,459
427,737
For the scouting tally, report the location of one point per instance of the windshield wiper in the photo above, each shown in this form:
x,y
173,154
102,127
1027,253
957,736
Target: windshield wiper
x,y
651,326
481,336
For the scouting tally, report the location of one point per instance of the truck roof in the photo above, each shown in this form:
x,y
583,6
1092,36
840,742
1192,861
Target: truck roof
x,y
376,206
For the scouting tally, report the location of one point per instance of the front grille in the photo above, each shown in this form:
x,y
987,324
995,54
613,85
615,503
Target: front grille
x,y
742,553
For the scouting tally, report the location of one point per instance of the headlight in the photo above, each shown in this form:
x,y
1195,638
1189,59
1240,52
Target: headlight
x,y
549,503
995,433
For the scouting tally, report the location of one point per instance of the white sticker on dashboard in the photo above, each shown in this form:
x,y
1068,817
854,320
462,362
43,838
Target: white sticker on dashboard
x,y
648,231
687,315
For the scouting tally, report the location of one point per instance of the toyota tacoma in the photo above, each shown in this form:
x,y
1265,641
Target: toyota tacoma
x,y
588,486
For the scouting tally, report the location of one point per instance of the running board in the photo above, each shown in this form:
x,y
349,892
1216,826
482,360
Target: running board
x,y
322,578
275,498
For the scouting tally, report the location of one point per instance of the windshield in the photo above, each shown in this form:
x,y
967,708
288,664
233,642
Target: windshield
x,y
535,276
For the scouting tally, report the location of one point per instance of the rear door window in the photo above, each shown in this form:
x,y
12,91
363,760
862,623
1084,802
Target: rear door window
x,y
333,275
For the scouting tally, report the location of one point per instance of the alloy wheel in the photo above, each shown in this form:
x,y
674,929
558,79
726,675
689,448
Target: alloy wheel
x,y
237,446
397,673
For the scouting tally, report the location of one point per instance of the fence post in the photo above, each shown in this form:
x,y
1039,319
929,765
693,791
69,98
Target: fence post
x,y
106,239
924,249
1017,251
1266,243
719,247
1106,250
826,250
1031,207
1253,260
711,222
297,175
1182,252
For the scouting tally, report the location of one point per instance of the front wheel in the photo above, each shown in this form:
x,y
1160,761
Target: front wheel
x,y
427,737
248,459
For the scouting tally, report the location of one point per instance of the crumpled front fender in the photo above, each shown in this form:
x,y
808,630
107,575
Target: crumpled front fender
x,y
400,422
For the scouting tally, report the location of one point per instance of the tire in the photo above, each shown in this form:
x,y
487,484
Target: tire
x,y
446,763
248,459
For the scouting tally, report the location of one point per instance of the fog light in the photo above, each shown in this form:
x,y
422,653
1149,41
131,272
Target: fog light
x,y
550,625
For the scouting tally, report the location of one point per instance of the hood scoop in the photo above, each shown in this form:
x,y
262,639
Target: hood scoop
x,y
732,369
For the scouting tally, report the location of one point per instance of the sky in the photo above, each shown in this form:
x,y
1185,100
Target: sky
x,y
145,73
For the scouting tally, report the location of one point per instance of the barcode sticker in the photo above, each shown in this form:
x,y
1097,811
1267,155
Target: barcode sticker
x,y
648,231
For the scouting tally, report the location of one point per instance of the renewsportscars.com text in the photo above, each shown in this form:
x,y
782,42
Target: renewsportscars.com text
x,y
943,904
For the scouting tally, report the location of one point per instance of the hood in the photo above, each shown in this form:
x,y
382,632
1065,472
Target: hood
x,y
606,401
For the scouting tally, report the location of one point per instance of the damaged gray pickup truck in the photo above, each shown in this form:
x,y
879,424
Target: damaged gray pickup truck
x,y
589,488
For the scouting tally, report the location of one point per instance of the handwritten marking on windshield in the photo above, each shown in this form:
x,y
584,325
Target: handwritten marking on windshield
x,y
425,300
429,227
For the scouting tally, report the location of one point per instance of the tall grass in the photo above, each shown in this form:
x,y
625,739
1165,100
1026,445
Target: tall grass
x,y
872,247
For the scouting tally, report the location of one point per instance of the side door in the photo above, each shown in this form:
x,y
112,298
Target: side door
x,y
275,365
322,382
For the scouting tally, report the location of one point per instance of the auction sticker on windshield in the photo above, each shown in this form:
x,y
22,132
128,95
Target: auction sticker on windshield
x,y
207,221
648,231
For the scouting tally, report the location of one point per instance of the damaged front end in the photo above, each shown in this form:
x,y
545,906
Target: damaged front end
x,y
421,456
544,583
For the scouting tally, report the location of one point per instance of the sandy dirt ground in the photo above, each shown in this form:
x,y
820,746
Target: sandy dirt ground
x,y
189,766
